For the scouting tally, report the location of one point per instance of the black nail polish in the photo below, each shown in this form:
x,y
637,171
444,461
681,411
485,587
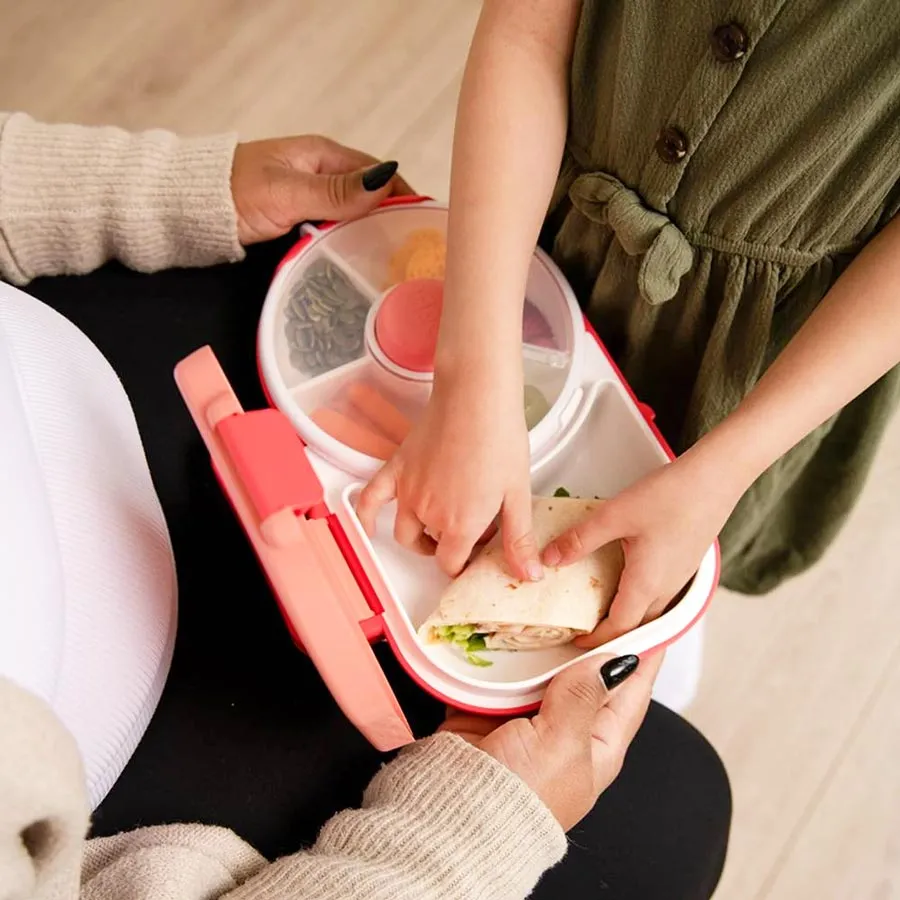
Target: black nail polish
x,y
378,176
617,670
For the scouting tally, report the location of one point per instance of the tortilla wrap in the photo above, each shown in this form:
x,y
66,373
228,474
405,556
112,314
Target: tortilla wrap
x,y
487,602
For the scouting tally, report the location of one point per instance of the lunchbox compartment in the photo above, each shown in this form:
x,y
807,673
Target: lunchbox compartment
x,y
368,244
279,335
365,253
608,447
336,394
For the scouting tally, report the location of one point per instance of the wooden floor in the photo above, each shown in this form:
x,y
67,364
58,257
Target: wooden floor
x,y
801,692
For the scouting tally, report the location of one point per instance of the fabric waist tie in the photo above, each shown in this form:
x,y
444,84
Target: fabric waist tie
x,y
667,255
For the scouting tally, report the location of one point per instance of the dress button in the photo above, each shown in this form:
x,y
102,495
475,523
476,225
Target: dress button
x,y
729,42
671,145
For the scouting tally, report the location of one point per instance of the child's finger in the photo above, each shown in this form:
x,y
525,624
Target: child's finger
x,y
454,549
492,530
628,609
409,532
519,544
593,532
375,495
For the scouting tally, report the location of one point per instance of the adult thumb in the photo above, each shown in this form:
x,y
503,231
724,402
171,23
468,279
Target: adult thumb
x,y
574,697
344,195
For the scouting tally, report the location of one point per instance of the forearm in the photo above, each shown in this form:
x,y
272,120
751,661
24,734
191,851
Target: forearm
x,y
849,342
72,198
510,133
443,822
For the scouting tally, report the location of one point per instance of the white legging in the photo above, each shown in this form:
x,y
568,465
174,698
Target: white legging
x,y
87,578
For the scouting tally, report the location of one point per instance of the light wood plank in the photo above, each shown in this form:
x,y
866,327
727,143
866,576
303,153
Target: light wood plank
x,y
787,678
848,847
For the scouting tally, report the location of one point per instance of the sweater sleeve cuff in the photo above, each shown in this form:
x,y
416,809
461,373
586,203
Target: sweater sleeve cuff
x,y
72,198
444,820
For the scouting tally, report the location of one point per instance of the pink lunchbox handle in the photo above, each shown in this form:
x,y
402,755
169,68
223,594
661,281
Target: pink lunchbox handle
x,y
262,465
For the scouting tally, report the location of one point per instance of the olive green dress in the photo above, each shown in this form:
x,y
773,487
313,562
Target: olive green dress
x,y
725,162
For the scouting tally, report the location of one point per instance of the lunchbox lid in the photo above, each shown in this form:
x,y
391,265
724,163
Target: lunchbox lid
x,y
349,328
263,468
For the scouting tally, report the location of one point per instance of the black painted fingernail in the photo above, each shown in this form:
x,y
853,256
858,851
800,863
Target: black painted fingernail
x,y
377,177
617,670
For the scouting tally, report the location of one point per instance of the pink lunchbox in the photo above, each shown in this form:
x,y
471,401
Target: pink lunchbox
x,y
345,343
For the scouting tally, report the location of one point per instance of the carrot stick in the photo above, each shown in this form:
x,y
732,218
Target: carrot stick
x,y
353,434
371,403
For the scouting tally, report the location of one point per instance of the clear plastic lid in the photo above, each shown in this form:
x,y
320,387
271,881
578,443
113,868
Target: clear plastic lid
x,y
350,324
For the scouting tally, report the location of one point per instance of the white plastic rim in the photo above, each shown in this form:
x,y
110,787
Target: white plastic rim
x,y
542,437
471,691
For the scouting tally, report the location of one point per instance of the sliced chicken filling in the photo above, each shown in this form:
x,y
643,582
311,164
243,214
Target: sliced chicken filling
x,y
528,637
499,636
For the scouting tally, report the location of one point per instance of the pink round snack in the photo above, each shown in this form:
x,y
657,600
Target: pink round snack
x,y
407,322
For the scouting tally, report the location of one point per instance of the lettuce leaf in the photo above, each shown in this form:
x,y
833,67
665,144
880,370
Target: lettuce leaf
x,y
465,637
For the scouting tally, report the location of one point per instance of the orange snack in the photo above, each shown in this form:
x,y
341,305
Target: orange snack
x,y
424,250
427,261
372,404
353,434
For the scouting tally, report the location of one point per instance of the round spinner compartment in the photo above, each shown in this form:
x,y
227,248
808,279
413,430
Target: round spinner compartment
x,y
348,328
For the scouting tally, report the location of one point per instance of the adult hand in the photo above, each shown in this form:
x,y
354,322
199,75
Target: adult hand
x,y
465,463
278,183
573,749
666,523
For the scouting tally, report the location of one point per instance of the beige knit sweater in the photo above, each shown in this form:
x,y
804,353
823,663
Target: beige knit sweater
x,y
443,821
72,198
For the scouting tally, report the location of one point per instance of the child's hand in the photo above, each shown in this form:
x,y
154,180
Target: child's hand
x,y
466,462
278,183
666,522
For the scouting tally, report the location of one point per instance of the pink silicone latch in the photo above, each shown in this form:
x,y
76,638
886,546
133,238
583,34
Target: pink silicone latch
x,y
265,472
274,469
407,322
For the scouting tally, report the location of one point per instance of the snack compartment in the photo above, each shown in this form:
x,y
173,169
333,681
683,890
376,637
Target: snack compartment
x,y
360,409
318,323
392,244
322,314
